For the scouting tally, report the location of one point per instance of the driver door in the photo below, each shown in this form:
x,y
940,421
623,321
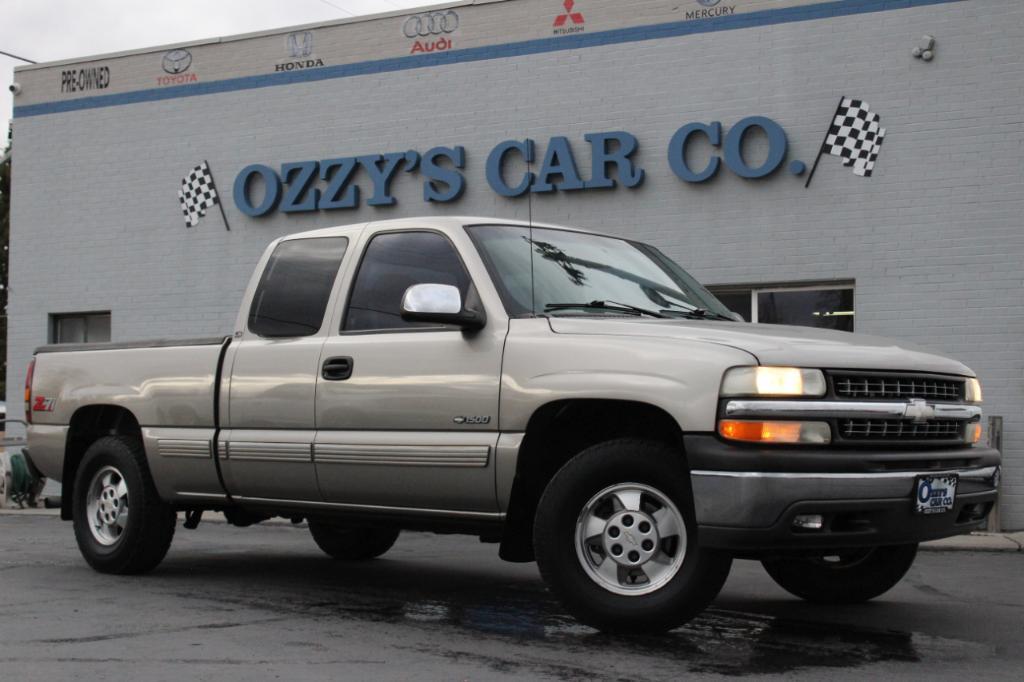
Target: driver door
x,y
413,423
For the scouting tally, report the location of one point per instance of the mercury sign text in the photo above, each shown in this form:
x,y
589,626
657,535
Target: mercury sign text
x,y
340,183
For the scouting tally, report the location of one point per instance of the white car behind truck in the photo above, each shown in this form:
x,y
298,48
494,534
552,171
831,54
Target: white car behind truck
x,y
577,398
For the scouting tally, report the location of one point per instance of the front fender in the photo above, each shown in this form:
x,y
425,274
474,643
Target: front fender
x,y
680,377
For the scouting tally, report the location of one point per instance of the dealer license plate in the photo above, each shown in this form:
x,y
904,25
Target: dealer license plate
x,y
935,494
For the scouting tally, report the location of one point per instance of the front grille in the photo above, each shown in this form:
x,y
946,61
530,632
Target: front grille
x,y
895,429
867,386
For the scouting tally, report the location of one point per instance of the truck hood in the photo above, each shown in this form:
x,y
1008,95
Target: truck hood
x,y
774,344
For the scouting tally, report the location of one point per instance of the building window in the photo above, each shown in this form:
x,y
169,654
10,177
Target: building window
x,y
829,306
80,327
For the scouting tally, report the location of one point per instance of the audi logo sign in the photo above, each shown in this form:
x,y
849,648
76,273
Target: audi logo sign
x,y
430,24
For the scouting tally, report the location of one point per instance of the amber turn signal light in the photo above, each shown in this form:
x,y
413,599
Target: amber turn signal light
x,y
803,433
972,434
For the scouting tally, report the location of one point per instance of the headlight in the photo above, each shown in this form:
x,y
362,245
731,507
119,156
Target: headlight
x,y
773,381
973,391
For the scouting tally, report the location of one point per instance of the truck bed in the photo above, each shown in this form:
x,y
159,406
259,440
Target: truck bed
x,y
171,383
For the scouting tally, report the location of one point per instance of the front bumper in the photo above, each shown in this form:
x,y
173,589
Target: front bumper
x,y
746,498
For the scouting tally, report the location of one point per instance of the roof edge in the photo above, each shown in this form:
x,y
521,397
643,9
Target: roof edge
x,y
362,18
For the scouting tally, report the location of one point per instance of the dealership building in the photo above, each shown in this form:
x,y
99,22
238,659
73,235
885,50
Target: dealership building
x,y
701,126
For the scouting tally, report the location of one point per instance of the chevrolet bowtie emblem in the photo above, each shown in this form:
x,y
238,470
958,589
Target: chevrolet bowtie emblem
x,y
918,410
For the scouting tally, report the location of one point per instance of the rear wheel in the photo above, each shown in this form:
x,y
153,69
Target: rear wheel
x,y
615,539
121,524
843,577
352,543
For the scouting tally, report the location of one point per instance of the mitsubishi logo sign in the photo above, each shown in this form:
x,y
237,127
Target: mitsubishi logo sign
x,y
576,18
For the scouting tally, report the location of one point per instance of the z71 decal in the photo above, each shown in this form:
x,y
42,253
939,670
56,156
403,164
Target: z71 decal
x,y
43,404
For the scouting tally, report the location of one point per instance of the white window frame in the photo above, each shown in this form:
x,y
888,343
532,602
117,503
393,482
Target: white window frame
x,y
755,289
57,318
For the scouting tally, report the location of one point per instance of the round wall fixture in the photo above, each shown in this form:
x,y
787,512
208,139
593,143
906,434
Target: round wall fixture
x,y
925,49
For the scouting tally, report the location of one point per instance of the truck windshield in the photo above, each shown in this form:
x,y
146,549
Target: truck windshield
x,y
563,272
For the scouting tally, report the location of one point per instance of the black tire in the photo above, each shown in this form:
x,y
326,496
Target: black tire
x,y
844,577
701,574
348,543
147,534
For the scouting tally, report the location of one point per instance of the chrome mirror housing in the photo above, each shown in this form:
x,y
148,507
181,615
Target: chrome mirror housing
x,y
438,299
439,304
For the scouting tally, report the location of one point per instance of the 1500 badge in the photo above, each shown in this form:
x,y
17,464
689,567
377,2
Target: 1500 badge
x,y
472,420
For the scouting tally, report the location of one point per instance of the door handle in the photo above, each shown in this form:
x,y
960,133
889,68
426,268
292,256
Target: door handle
x,y
337,369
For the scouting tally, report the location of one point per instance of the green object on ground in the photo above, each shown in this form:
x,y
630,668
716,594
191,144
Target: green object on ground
x,y
22,480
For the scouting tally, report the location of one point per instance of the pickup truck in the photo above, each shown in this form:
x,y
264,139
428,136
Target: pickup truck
x,y
578,398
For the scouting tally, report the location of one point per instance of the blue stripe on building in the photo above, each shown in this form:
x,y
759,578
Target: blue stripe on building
x,y
824,10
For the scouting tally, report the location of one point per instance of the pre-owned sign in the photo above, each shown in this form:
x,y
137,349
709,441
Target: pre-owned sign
x,y
339,183
77,80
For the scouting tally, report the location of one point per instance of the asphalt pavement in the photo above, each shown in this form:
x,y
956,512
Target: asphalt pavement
x,y
264,603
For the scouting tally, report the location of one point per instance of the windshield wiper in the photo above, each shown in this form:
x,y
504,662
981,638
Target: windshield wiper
x,y
693,312
697,314
604,305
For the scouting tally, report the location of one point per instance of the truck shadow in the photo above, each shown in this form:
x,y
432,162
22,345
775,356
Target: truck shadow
x,y
515,606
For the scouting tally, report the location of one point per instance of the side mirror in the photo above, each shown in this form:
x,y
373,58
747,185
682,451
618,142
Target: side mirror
x,y
439,304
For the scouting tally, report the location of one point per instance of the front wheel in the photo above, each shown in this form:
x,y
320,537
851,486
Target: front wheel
x,y
843,577
615,539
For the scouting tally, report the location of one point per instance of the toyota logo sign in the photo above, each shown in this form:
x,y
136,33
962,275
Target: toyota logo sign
x,y
177,61
430,24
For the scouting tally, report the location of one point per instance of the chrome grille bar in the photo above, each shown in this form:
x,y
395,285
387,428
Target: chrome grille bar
x,y
835,409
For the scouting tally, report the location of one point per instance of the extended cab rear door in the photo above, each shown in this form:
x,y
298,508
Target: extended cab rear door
x,y
413,423
266,450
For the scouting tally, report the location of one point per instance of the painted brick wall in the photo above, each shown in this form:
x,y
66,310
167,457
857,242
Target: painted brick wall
x,y
934,240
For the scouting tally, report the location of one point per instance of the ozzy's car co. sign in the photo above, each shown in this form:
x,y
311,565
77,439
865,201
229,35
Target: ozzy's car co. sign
x,y
340,183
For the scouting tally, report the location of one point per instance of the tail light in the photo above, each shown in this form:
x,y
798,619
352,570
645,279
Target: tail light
x,y
28,391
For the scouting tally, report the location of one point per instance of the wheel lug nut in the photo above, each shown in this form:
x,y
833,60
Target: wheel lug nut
x,y
634,556
644,527
616,550
627,520
613,532
647,545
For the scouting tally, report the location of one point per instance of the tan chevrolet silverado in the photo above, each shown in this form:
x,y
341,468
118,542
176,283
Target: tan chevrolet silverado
x,y
577,398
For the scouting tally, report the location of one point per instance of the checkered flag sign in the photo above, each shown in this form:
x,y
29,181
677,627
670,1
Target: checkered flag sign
x,y
855,135
197,194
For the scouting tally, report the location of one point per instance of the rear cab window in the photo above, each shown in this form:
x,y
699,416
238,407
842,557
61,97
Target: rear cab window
x,y
292,295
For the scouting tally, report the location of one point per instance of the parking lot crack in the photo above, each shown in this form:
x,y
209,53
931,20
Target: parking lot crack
x,y
155,631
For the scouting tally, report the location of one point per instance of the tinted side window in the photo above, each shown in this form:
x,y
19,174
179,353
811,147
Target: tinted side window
x,y
393,262
292,295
